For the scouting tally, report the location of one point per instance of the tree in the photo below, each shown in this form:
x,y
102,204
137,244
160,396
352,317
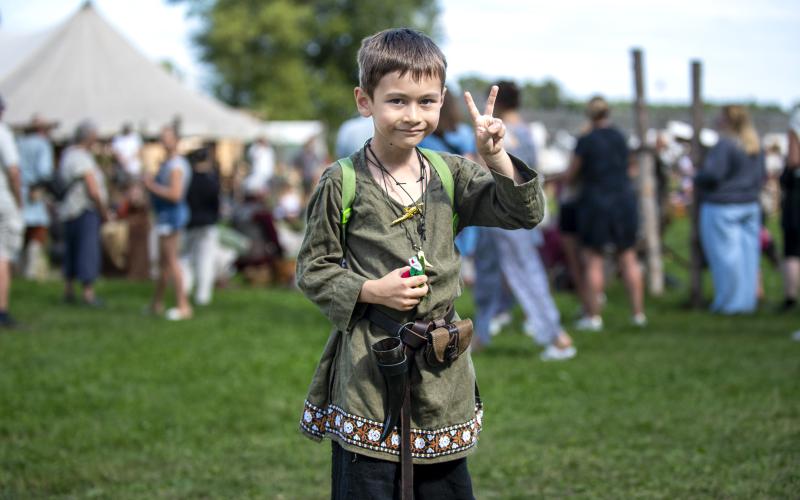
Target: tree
x,y
291,59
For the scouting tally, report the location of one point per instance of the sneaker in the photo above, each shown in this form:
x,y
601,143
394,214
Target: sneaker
x,y
796,336
639,320
175,314
554,353
589,324
499,322
529,330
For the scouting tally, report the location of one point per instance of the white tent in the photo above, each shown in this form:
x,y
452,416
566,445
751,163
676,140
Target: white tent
x,y
15,48
85,69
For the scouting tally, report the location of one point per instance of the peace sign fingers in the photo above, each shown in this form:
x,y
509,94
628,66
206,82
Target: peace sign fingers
x,y
489,131
488,110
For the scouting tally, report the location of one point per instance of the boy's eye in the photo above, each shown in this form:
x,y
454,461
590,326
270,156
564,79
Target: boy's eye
x,y
428,102
396,100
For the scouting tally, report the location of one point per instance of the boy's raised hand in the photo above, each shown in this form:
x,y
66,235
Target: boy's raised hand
x,y
489,131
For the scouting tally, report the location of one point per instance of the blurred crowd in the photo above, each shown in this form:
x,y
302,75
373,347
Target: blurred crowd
x,y
157,208
161,209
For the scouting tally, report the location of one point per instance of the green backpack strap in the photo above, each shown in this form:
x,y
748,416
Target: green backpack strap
x,y
447,180
348,195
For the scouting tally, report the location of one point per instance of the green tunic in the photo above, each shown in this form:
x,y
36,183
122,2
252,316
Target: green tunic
x,y
346,397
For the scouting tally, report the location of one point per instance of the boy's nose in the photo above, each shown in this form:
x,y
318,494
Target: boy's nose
x,y
412,115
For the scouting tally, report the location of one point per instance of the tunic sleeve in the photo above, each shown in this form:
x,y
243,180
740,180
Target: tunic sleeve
x,y
487,198
320,276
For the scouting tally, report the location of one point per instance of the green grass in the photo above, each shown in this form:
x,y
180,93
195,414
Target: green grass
x,y
112,404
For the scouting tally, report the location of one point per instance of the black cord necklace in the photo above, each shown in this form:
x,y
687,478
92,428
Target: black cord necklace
x,y
423,179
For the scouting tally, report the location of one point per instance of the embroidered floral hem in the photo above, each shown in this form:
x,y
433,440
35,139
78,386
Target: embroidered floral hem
x,y
365,433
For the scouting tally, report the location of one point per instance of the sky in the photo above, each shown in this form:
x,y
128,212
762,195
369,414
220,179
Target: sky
x,y
749,49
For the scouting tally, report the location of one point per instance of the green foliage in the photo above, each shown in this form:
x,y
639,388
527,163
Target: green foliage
x,y
295,60
112,404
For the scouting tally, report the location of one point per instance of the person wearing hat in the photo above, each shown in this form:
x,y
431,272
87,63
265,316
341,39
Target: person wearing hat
x,y
36,168
11,225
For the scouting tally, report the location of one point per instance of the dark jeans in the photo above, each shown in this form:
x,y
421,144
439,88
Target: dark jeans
x,y
357,477
82,249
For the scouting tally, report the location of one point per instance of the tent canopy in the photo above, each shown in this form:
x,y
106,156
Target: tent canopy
x,y
85,69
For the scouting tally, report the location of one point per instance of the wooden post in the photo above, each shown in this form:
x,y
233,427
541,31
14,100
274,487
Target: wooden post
x,y
696,266
647,185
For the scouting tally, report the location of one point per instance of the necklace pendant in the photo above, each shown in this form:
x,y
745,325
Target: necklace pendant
x,y
408,213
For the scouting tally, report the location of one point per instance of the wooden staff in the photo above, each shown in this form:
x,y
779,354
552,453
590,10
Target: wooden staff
x,y
647,185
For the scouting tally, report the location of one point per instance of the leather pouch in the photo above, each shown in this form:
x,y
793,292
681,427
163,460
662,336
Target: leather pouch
x,y
446,343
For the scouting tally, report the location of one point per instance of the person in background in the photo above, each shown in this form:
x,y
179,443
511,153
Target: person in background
x,y
568,231
728,185
309,163
82,210
168,198
11,224
790,214
36,166
452,135
606,213
262,167
352,135
508,260
200,245
126,147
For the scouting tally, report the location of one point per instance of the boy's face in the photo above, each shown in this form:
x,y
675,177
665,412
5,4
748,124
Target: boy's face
x,y
404,111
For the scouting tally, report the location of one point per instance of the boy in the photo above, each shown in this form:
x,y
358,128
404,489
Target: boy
x,y
401,209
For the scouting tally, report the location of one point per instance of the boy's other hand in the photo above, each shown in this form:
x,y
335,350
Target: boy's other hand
x,y
394,291
489,131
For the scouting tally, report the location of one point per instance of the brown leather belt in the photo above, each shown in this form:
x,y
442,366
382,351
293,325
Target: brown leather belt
x,y
412,334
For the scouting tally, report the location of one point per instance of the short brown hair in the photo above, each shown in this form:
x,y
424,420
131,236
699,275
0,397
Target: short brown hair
x,y
400,50
507,96
597,108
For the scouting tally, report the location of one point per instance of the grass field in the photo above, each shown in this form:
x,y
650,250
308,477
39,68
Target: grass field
x,y
113,404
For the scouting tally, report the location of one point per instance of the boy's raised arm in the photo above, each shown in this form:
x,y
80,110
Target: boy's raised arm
x,y
489,134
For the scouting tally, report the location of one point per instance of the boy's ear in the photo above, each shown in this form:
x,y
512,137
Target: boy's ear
x,y
363,102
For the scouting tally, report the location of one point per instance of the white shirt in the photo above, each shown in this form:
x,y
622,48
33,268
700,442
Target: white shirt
x,y
262,160
127,149
9,157
353,134
75,163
